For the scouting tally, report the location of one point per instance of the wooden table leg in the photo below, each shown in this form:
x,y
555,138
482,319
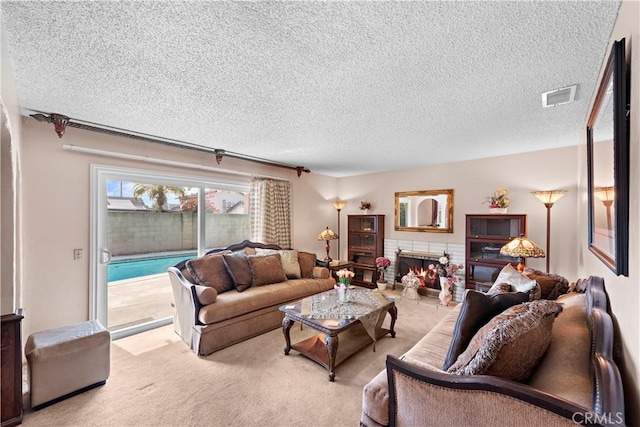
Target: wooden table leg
x,y
332,347
393,311
286,327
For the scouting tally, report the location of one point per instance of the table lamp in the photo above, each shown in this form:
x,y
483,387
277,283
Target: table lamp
x,y
327,235
521,247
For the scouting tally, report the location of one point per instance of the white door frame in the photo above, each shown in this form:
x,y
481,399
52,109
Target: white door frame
x,y
98,249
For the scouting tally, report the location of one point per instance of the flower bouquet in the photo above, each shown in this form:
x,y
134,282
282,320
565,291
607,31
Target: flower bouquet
x,y
365,205
446,270
499,199
381,264
344,278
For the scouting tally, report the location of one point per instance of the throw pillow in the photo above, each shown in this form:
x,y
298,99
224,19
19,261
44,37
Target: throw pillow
x,y
548,283
511,344
499,288
237,265
289,258
206,295
558,290
307,261
210,271
266,269
476,310
518,282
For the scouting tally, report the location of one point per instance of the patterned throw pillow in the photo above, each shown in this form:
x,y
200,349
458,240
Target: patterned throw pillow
x,y
476,310
551,285
511,344
266,269
518,282
210,271
499,288
237,265
289,258
307,262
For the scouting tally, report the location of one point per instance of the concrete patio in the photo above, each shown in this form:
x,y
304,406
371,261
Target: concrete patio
x,y
139,300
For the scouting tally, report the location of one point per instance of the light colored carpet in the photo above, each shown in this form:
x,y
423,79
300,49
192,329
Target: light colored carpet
x,y
157,381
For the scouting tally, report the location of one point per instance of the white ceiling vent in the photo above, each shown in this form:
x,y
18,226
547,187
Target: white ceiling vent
x,y
564,95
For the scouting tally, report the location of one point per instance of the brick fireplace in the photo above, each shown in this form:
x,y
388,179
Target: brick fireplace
x,y
429,252
418,262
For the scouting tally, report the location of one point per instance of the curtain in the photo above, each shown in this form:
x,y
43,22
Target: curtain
x,y
270,211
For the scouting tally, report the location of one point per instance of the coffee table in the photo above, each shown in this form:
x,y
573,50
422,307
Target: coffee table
x,y
338,319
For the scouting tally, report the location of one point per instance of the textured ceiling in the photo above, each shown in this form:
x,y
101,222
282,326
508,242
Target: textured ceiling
x,y
341,88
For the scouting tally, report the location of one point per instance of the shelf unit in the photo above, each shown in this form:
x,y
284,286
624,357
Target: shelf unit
x,y
11,370
365,242
485,235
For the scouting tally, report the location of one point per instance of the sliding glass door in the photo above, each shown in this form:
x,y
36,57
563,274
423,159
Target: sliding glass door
x,y
142,223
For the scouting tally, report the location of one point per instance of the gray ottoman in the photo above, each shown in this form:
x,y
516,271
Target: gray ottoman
x,y
68,360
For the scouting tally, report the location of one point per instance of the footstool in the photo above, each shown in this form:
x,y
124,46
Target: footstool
x,y
68,360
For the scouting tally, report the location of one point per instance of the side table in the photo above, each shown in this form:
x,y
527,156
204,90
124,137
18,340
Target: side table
x,y
336,265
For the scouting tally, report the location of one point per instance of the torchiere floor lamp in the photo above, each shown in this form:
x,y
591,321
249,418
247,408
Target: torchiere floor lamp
x,y
339,204
549,198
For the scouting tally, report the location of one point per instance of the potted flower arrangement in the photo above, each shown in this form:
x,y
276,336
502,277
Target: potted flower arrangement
x,y
344,278
381,264
365,205
446,270
498,200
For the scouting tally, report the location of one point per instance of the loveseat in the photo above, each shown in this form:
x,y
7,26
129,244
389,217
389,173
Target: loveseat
x,y
232,294
576,380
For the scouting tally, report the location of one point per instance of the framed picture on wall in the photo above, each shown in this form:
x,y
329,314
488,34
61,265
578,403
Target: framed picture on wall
x,y
608,165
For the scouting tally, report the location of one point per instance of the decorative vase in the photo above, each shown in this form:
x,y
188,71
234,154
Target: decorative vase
x,y
365,211
343,293
382,285
498,210
445,292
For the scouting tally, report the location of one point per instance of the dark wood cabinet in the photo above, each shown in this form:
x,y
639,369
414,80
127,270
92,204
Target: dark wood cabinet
x,y
11,354
365,242
485,235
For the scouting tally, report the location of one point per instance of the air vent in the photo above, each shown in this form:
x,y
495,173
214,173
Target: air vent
x,y
564,95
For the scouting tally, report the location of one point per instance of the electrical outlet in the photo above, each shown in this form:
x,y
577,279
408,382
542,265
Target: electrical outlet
x,y
77,254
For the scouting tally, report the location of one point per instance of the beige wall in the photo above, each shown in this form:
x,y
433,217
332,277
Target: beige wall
x,y
623,291
10,265
56,212
472,182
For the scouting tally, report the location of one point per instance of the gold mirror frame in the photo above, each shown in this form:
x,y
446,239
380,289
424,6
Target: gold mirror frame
x,y
441,217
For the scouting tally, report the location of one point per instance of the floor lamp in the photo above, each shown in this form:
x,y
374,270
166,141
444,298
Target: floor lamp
x,y
549,198
339,204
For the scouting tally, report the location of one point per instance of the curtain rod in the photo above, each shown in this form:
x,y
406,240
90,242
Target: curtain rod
x,y
60,122
154,160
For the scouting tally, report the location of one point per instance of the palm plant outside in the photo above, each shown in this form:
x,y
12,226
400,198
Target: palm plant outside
x,y
158,193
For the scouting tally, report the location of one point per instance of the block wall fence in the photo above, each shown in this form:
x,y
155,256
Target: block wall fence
x,y
143,232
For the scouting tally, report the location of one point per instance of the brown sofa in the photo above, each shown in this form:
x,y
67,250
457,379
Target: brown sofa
x,y
575,382
209,320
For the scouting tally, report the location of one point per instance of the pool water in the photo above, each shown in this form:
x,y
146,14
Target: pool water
x,y
127,269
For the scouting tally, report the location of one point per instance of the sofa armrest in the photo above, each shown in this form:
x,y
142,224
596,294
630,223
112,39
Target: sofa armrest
x,y
186,303
320,273
422,397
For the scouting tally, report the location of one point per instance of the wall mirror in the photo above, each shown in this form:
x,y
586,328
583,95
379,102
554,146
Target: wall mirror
x,y
429,210
608,166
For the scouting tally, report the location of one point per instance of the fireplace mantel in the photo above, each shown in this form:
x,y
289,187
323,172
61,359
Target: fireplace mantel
x,y
413,254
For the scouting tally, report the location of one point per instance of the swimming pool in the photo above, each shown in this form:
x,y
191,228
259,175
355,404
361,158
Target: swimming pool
x,y
129,268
